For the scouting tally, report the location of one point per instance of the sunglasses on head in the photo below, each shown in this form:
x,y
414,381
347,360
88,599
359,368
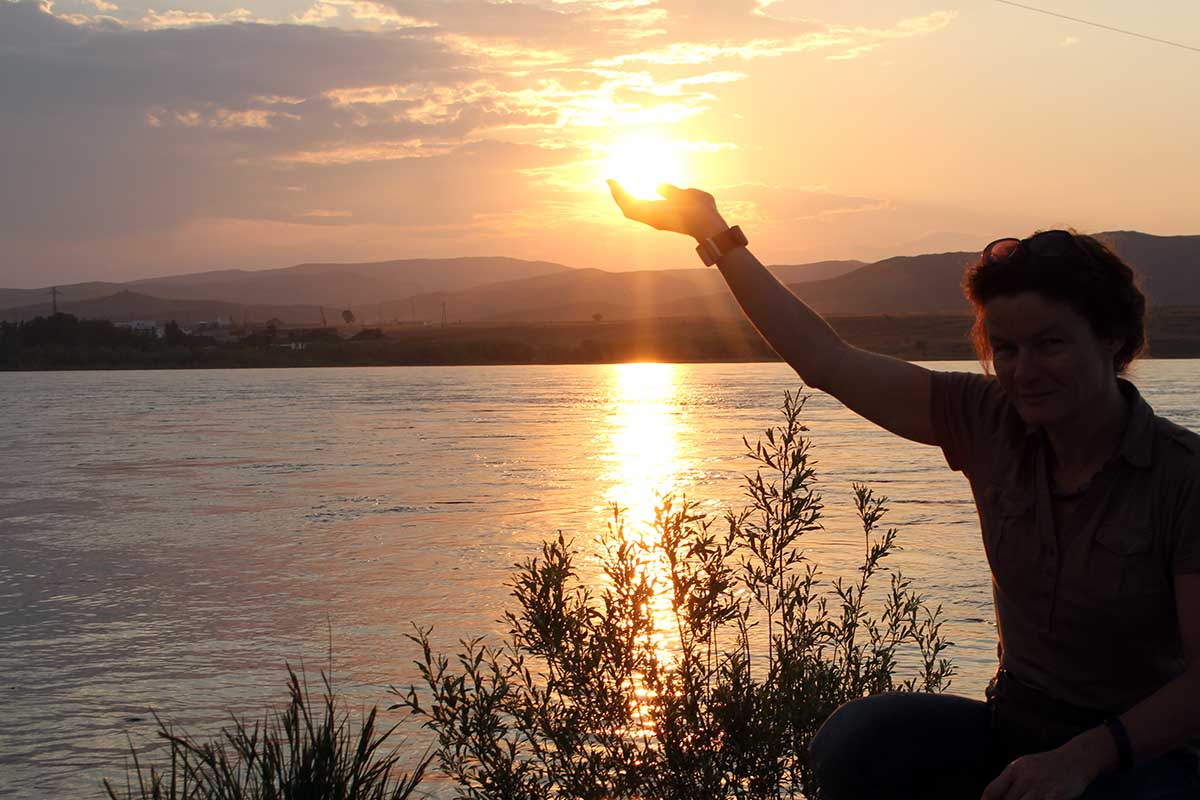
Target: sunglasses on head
x,y
1047,244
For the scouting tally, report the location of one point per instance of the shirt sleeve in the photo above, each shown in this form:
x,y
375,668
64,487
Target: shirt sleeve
x,y
968,412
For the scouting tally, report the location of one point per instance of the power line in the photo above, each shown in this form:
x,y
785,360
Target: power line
x,y
1100,25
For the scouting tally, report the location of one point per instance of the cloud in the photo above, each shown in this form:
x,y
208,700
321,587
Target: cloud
x,y
111,131
368,152
359,11
183,19
838,41
50,64
435,115
325,213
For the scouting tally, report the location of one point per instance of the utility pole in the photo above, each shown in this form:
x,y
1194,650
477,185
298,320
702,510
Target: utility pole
x,y
54,298
443,315
414,311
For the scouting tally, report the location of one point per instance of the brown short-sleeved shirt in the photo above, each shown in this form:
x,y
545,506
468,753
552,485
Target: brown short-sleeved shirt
x,y
1086,609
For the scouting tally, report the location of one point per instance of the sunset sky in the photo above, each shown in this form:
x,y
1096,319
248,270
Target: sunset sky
x,y
144,140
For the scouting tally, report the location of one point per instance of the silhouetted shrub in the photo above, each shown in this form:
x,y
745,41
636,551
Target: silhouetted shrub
x,y
590,696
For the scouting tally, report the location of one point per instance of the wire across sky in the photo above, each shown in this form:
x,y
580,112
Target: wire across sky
x,y
1101,26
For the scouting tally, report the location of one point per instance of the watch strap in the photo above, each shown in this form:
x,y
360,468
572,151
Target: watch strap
x,y
712,249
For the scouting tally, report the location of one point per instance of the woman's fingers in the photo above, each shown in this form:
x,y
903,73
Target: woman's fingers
x,y
630,206
999,788
669,191
618,191
647,211
677,211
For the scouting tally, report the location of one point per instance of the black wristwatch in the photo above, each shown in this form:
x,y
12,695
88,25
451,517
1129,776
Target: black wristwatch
x,y
711,250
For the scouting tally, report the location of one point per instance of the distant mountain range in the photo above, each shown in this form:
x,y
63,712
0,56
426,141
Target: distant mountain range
x,y
512,290
330,285
1169,267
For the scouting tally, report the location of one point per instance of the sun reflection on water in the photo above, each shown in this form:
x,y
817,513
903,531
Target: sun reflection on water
x,y
645,463
643,438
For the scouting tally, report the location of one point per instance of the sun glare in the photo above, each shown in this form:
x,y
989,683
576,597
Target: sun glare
x,y
641,163
644,462
643,437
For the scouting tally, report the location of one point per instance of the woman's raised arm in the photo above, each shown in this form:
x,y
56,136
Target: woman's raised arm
x,y
892,393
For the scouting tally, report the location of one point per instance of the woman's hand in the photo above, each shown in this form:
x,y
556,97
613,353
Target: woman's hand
x,y
1054,775
687,211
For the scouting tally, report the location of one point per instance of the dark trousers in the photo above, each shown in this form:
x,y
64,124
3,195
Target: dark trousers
x,y
935,747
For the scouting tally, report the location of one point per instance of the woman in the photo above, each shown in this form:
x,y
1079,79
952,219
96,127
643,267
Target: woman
x,y
1090,510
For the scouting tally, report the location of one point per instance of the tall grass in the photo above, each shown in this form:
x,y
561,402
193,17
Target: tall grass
x,y
308,751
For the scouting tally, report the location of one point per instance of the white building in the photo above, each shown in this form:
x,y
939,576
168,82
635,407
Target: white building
x,y
147,327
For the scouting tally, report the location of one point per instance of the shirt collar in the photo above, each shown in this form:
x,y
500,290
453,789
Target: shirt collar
x,y
1137,440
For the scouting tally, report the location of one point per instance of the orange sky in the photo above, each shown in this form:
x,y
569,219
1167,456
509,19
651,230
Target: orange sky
x,y
211,134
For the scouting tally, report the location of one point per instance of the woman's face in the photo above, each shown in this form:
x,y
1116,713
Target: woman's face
x,y
1047,359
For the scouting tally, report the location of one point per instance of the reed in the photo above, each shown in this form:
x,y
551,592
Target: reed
x,y
308,751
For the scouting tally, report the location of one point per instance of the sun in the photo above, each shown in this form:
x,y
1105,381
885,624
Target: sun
x,y
641,163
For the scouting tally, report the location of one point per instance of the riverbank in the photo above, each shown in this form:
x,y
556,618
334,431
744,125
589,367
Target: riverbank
x,y
1173,333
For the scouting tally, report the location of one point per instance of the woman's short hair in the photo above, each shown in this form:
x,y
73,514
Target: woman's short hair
x,y
1090,278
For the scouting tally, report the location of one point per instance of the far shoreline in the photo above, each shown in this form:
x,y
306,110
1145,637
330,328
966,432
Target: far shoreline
x,y
250,368
1173,333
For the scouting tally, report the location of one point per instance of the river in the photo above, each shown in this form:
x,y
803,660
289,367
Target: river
x,y
170,539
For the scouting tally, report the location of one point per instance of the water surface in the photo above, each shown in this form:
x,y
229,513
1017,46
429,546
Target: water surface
x,y
170,539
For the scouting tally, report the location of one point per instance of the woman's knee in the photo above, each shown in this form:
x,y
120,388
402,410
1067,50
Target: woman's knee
x,y
891,745
843,744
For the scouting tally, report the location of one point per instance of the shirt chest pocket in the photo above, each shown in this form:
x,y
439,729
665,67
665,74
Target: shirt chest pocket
x,y
1124,561
1012,543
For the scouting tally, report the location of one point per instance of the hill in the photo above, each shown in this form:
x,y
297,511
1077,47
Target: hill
x,y
924,284
513,291
332,285
343,285
900,285
126,305
1169,267
294,294
574,295
817,271
15,298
